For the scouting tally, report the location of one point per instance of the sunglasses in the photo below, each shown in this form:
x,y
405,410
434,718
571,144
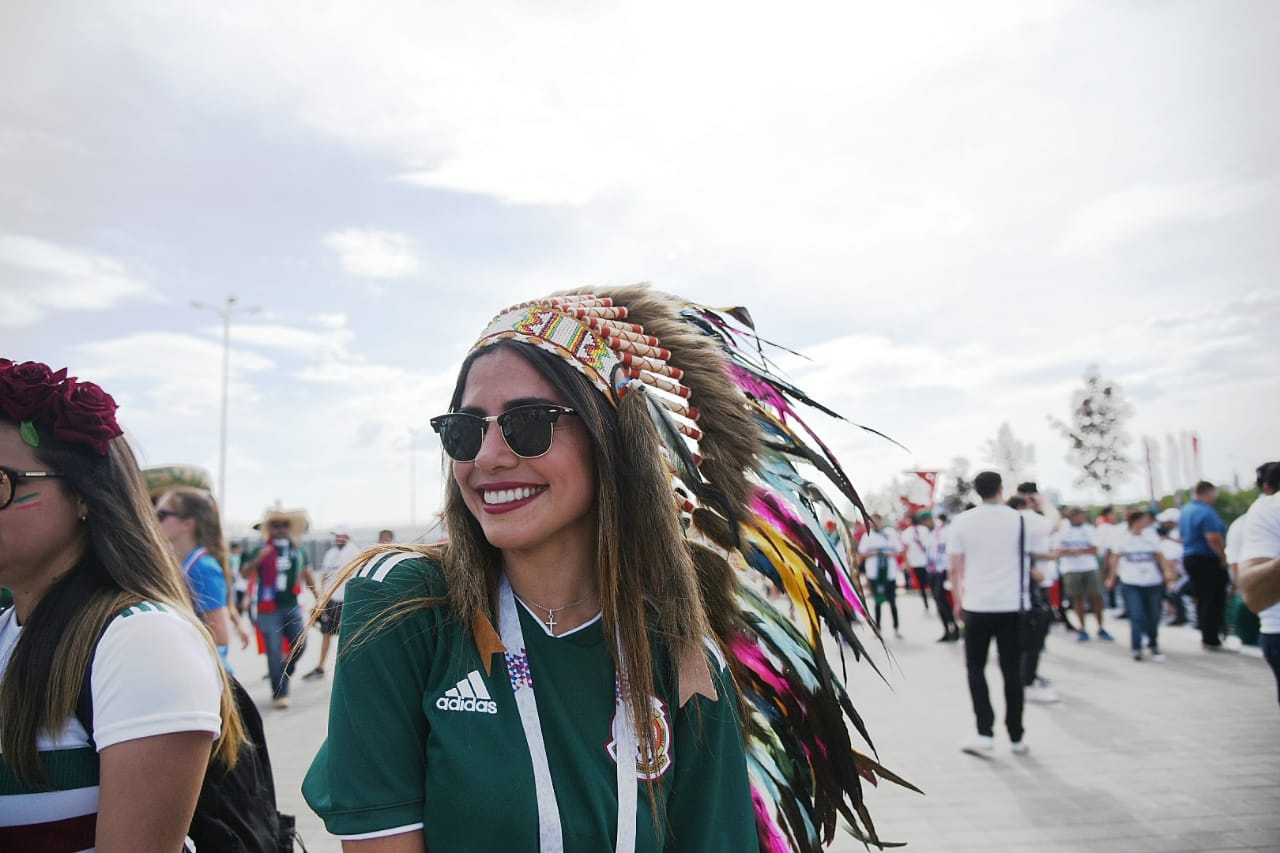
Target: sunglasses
x,y
10,478
528,431
162,514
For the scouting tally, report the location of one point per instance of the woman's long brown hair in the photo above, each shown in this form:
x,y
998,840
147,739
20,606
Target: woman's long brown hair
x,y
126,561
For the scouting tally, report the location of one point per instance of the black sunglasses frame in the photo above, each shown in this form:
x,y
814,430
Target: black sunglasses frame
x,y
13,477
447,425
162,514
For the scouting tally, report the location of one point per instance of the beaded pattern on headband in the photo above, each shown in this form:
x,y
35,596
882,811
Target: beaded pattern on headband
x,y
591,334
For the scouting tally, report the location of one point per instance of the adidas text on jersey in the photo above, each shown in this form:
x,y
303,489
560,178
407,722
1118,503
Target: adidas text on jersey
x,y
469,694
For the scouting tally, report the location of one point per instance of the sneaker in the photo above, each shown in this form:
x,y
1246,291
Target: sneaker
x,y
1042,682
1043,695
1019,747
1104,635
1158,657
1082,636
897,633
281,703
981,745
314,674
1211,647
1137,656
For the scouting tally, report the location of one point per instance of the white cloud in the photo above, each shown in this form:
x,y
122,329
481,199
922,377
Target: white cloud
x,y
327,343
1125,214
368,253
44,276
171,376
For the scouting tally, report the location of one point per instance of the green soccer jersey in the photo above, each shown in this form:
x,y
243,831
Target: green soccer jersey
x,y
421,736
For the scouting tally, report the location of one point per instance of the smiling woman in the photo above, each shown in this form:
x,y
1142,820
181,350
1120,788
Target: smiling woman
x,y
579,666
100,610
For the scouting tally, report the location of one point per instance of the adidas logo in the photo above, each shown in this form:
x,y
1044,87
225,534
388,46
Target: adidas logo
x,y
469,694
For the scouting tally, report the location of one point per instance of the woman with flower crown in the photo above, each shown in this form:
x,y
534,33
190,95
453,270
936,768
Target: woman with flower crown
x,y
100,607
577,667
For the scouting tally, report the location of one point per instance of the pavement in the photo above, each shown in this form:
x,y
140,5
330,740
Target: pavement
x,y
1161,757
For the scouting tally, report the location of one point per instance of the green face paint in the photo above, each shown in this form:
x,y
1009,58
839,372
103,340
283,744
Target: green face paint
x,y
26,501
28,432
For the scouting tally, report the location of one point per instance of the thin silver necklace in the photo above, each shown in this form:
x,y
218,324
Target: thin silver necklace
x,y
552,611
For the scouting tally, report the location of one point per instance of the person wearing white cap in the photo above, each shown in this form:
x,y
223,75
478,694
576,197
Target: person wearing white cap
x,y
341,552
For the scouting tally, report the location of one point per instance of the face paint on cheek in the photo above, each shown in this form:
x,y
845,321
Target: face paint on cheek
x,y
30,501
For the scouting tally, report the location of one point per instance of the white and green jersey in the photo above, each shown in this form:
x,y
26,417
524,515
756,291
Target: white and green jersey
x,y
152,674
422,736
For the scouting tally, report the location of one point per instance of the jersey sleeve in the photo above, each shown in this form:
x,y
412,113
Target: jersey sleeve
x,y
710,808
153,674
369,777
208,586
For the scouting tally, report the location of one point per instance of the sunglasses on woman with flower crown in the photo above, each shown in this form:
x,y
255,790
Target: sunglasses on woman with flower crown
x,y
10,478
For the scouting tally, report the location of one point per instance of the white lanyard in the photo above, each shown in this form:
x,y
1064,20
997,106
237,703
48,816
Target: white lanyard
x,y
550,835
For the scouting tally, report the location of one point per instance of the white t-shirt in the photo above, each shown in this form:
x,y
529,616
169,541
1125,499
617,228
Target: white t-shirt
x,y
884,541
987,537
1137,563
1073,536
152,674
918,541
334,559
1105,537
1262,539
939,556
1172,550
1235,538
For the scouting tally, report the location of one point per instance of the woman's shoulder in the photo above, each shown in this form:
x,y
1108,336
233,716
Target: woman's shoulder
x,y
399,571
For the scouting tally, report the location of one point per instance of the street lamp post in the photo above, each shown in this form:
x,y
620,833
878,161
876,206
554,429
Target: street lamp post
x,y
225,313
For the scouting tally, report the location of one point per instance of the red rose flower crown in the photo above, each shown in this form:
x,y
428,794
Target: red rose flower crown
x,y
31,393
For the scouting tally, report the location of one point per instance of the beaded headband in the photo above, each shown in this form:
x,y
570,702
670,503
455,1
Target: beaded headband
x,y
590,333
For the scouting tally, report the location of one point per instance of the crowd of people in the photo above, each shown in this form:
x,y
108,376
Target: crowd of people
x,y
1008,570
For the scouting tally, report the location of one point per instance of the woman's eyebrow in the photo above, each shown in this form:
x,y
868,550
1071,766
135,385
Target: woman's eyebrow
x,y
510,404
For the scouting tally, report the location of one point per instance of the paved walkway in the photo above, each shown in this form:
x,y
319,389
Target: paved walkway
x,y
1137,757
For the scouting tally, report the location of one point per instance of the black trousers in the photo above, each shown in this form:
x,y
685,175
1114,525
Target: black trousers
x,y
1209,580
940,598
922,582
979,629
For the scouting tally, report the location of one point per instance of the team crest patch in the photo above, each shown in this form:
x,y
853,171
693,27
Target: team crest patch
x,y
652,766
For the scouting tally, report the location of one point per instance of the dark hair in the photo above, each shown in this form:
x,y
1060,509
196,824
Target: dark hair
x,y
1106,510
1269,475
1134,515
1017,502
1028,488
987,484
1204,487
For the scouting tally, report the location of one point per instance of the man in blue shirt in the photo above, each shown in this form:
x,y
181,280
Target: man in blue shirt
x,y
1205,560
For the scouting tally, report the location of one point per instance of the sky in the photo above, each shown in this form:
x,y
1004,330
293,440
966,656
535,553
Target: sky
x,y
948,210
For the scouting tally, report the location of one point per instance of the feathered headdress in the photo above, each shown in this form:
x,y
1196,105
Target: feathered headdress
x,y
737,449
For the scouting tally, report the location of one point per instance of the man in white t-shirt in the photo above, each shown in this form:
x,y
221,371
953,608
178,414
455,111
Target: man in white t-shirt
x,y
1076,546
342,552
878,552
1259,567
990,576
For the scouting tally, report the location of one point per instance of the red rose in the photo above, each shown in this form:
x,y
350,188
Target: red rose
x,y
27,390
87,414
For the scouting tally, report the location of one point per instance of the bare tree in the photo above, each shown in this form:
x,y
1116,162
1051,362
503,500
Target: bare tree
x,y
1012,458
1096,433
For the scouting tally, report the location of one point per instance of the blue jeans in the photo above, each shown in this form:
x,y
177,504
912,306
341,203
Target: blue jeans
x,y
1144,605
276,626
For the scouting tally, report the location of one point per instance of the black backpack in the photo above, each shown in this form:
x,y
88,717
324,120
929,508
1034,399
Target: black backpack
x,y
236,812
